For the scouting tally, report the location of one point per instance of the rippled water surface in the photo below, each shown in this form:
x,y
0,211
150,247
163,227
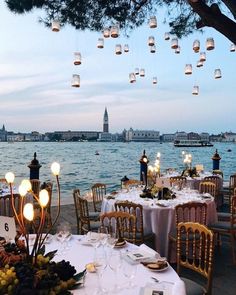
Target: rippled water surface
x,y
80,167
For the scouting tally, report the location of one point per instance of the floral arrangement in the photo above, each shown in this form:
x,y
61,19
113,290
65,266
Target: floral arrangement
x,y
191,172
42,277
162,193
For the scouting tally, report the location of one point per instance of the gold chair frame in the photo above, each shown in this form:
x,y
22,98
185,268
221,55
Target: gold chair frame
x,y
98,193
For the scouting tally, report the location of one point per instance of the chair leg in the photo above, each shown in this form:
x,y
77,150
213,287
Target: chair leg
x,y
232,237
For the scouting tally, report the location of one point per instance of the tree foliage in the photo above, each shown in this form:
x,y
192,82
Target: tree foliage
x,y
183,16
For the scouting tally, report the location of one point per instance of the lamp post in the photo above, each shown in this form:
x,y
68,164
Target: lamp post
x,y
143,168
216,161
34,168
123,181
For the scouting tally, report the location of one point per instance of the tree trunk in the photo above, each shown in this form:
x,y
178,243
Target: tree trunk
x,y
212,17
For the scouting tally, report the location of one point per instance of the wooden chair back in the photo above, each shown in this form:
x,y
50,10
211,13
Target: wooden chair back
x,y
6,205
195,246
179,181
232,181
76,194
123,223
233,211
216,180
83,214
207,187
137,211
98,192
191,212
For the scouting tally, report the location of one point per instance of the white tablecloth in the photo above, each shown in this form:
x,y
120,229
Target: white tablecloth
x,y
161,220
79,255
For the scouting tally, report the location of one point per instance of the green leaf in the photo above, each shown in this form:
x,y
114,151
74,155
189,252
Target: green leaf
x,y
42,250
79,275
51,254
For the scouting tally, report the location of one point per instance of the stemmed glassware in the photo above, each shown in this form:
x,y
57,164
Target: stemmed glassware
x,y
64,235
129,271
94,240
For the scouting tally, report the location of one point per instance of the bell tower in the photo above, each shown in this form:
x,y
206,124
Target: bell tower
x,y
105,121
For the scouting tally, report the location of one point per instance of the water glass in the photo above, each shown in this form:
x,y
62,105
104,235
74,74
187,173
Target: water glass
x,y
129,271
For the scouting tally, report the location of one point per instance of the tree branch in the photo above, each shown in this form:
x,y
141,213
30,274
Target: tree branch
x,y
213,17
231,4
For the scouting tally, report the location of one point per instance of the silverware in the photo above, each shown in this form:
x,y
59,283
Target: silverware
x,y
158,281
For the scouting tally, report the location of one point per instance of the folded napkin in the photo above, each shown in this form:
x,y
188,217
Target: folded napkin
x,y
143,253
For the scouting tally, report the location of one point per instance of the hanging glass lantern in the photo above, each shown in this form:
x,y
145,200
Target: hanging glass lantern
x,y
126,48
196,46
75,81
167,36
217,74
202,56
154,80
153,49
199,64
100,43
210,44
177,50
77,58
195,90
153,22
118,49
132,78
55,26
106,33
142,73
114,31
232,47
136,71
174,43
188,69
151,41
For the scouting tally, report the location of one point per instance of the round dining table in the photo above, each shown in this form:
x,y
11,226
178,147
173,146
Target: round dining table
x,y
80,253
159,215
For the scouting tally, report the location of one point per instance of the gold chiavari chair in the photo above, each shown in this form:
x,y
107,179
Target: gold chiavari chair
x,y
137,211
227,228
225,216
179,181
123,223
6,207
207,187
195,247
86,224
98,193
188,212
93,216
229,191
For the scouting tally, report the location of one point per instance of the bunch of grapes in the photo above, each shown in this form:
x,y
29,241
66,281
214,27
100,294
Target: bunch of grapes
x,y
8,280
25,273
64,270
12,248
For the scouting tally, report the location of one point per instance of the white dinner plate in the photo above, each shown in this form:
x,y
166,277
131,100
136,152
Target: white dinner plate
x,y
153,266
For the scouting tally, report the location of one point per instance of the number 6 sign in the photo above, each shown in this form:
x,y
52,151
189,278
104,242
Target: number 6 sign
x,y
7,227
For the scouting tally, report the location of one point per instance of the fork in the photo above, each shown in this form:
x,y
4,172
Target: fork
x,y
158,281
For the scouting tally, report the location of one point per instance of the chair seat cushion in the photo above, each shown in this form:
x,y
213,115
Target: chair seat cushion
x,y
192,288
94,215
223,216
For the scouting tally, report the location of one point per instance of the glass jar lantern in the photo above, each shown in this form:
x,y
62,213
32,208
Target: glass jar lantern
x,y
202,56
196,46
106,33
177,50
167,36
55,26
136,71
75,81
151,41
126,48
153,22
188,69
153,49
132,78
114,31
232,47
210,44
154,80
199,64
217,74
174,43
77,58
142,73
195,90
118,49
100,43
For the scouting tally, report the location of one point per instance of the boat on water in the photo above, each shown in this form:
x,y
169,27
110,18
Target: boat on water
x,y
192,143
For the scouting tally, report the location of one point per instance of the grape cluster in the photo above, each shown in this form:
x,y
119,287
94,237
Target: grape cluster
x,y
8,280
25,273
12,248
64,270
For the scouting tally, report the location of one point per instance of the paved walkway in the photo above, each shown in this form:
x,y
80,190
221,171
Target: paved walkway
x,y
224,277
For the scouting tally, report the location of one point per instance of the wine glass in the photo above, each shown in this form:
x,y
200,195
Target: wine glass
x,y
129,271
94,240
103,231
64,235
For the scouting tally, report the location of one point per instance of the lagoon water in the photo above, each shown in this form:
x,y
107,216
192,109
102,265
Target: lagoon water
x,y
81,167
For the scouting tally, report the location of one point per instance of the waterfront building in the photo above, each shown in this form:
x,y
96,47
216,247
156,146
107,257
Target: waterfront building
x,y
168,137
142,135
3,133
182,135
72,135
229,136
205,136
193,136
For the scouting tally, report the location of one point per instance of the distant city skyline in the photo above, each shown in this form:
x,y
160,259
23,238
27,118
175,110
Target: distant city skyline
x,y
37,66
